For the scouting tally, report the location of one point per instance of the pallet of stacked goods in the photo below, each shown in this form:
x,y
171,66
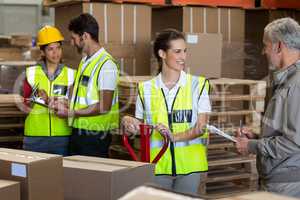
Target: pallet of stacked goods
x,y
11,121
230,173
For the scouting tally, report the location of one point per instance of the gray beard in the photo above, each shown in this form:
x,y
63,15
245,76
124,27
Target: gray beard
x,y
272,67
79,49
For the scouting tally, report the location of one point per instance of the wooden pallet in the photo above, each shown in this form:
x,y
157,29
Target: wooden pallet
x,y
237,99
11,121
229,173
128,93
17,64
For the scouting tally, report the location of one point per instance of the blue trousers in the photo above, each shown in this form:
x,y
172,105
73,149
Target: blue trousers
x,y
89,143
180,183
52,145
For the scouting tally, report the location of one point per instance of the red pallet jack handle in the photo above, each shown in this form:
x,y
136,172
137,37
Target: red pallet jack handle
x,y
145,144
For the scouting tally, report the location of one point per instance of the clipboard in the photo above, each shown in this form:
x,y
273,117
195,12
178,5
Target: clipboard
x,y
39,101
217,131
35,99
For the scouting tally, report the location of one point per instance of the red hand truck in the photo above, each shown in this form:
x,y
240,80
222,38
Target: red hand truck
x,y
145,134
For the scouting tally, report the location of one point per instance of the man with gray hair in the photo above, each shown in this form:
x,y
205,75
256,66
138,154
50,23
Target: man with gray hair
x,y
278,148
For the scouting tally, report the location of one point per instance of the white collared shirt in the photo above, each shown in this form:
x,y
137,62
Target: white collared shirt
x,y
203,103
108,75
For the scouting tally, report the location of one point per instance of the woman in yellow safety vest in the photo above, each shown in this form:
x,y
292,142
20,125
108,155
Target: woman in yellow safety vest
x,y
176,104
45,132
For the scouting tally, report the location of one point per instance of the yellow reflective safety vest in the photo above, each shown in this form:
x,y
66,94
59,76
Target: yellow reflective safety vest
x,y
181,157
41,121
85,93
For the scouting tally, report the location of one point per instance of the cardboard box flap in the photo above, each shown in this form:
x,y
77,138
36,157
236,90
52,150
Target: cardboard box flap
x,y
90,165
9,190
108,161
24,156
5,183
99,164
149,193
259,195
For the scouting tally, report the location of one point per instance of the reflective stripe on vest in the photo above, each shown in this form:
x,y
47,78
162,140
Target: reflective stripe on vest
x,y
86,93
189,156
40,121
159,144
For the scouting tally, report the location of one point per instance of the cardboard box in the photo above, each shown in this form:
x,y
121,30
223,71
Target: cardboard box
x,y
151,193
5,40
91,178
40,175
259,195
9,190
200,49
10,54
230,22
21,40
121,25
35,53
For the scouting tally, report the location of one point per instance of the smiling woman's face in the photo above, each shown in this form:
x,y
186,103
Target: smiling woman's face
x,y
174,58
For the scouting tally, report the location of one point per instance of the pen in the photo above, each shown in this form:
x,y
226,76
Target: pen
x,y
241,128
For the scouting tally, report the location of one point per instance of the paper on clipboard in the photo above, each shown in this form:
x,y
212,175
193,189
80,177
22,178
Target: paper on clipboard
x,y
39,100
215,130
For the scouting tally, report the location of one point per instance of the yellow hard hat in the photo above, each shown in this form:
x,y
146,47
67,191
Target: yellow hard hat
x,y
48,34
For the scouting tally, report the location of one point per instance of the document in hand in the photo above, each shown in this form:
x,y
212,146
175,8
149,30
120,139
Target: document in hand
x,y
213,129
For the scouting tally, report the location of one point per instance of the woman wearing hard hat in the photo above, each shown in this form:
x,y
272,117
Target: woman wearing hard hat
x,y
176,104
45,132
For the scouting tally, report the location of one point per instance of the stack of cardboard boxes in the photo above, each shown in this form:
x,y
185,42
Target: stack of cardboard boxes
x,y
40,176
18,47
125,31
218,25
